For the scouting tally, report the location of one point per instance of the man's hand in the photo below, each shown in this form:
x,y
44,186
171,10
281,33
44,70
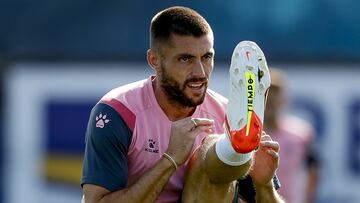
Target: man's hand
x,y
183,134
266,161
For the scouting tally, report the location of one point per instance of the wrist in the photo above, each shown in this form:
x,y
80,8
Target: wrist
x,y
267,193
268,185
171,160
264,187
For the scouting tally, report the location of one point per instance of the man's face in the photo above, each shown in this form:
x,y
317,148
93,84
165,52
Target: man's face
x,y
186,66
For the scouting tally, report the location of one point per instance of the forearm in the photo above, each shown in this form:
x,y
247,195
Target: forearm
x,y
267,193
146,189
312,182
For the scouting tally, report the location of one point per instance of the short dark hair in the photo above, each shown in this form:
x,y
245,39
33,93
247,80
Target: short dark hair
x,y
177,20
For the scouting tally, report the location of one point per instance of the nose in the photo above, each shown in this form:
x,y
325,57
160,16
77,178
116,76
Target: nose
x,y
198,69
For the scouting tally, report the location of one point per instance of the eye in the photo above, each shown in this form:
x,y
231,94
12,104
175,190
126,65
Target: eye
x,y
208,56
184,59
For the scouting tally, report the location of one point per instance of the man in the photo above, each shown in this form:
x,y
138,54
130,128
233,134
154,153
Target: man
x,y
295,136
140,136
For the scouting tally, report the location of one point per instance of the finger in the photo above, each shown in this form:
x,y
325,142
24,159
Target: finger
x,y
266,138
191,123
273,154
271,144
199,129
196,122
203,121
209,131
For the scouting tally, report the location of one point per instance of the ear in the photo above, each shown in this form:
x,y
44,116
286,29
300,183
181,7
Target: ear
x,y
153,59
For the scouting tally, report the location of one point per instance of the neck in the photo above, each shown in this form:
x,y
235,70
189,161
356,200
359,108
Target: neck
x,y
173,110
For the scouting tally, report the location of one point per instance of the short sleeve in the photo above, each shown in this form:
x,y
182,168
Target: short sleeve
x,y
107,143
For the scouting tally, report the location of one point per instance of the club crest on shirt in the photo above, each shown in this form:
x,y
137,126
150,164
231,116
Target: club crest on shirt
x,y
152,146
101,120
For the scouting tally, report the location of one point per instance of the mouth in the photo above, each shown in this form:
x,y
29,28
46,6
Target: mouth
x,y
196,87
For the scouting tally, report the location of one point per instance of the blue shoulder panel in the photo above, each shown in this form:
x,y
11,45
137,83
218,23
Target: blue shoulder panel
x,y
107,142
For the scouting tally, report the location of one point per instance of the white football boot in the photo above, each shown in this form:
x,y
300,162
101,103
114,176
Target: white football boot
x,y
249,84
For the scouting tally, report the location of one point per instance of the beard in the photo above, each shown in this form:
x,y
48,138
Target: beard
x,y
176,92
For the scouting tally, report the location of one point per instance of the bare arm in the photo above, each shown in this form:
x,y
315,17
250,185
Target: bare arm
x,y
312,182
146,189
266,162
312,165
150,185
267,194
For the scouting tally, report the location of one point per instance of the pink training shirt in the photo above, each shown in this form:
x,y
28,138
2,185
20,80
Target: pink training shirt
x,y
137,104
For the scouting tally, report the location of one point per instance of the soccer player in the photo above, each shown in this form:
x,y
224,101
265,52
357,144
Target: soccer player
x,y
140,136
299,167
